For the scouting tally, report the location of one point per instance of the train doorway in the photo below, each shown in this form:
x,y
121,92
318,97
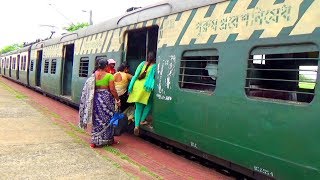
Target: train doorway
x,y
39,64
18,67
68,53
139,43
10,66
5,66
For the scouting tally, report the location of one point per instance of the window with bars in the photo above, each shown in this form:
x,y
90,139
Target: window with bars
x,y
24,62
199,70
84,67
53,66
283,73
46,66
31,65
13,64
21,64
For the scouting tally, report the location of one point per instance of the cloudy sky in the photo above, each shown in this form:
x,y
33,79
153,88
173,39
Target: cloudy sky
x,y
27,20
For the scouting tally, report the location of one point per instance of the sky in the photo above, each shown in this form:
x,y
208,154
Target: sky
x,y
28,20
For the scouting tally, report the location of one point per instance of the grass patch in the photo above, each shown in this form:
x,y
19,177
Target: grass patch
x,y
306,85
13,91
116,152
55,115
77,139
21,96
77,129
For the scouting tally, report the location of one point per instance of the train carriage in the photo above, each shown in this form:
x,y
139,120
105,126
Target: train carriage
x,y
236,80
23,64
35,67
14,57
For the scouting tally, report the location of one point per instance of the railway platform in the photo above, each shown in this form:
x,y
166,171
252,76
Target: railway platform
x,y
39,138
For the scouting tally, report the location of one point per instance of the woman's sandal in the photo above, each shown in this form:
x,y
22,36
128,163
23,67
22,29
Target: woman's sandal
x,y
93,145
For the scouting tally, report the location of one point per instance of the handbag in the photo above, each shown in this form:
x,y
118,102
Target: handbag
x,y
119,123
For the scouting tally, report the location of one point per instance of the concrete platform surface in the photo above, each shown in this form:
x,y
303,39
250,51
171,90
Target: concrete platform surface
x,y
34,147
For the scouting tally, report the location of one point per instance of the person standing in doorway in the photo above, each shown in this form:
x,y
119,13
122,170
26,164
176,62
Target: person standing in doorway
x,y
140,89
111,65
121,80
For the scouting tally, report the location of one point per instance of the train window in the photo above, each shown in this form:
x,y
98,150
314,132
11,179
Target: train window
x,y
22,63
84,67
53,66
46,66
31,65
25,62
199,70
13,64
283,73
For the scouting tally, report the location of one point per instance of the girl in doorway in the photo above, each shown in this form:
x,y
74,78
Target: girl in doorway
x,y
140,89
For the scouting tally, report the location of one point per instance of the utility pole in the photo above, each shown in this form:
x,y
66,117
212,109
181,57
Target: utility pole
x,y
90,16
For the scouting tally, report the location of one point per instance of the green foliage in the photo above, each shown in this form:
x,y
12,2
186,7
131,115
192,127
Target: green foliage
x,y
10,48
308,82
77,26
304,78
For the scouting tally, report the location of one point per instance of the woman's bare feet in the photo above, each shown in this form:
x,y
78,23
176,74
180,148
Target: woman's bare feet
x,y
136,131
144,123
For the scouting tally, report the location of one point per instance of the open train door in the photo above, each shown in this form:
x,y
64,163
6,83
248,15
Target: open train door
x,y
67,65
39,64
5,65
10,66
138,43
18,67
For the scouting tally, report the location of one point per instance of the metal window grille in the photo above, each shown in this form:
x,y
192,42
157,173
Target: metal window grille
x,y
21,63
198,71
24,62
84,67
46,66
53,66
283,76
13,64
31,65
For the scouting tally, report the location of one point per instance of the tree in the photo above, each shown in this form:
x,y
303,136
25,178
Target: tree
x,y
303,77
10,48
77,26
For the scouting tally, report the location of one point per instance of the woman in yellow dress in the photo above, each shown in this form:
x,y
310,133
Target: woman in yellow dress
x,y
121,81
140,89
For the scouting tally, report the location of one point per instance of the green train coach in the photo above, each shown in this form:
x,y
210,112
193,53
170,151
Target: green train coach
x,y
236,83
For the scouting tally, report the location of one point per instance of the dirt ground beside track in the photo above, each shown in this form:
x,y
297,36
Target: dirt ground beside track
x,y
34,147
